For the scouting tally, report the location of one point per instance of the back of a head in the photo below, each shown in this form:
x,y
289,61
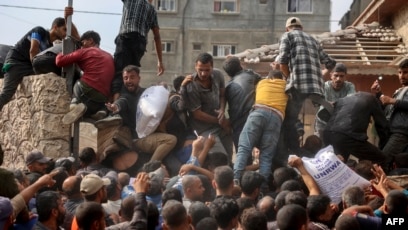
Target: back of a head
x,y
296,197
353,195
280,199
58,22
87,156
250,181
123,179
72,186
283,174
267,206
224,209
153,216
253,219
291,217
151,166
396,203
198,211
243,204
171,194
87,213
347,222
188,181
232,65
275,74
317,206
224,177
208,223
127,207
177,82
291,185
174,214
313,144
214,160
45,203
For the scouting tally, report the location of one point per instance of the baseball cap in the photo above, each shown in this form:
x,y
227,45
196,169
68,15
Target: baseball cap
x,y
66,162
6,209
91,183
293,21
36,156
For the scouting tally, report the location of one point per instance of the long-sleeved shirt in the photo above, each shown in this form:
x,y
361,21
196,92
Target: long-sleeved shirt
x,y
304,55
97,65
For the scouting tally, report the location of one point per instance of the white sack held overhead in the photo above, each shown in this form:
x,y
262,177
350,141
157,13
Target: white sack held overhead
x,y
150,110
331,174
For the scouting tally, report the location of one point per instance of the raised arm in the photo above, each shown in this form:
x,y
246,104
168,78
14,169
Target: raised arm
x,y
311,184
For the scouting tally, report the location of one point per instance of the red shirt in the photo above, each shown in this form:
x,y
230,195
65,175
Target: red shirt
x,y
97,65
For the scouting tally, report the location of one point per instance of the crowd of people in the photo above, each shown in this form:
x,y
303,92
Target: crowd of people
x,y
185,175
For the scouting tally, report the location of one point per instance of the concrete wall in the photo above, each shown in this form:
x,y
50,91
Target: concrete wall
x,y
32,120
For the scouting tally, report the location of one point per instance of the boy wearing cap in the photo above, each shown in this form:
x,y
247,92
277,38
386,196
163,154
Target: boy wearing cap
x,y
334,89
300,58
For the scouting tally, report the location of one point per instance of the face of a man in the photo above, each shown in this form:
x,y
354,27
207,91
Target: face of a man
x,y
338,79
38,167
60,32
104,195
131,80
403,76
203,71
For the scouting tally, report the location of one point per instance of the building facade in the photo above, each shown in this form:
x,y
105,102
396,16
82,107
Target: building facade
x,y
223,27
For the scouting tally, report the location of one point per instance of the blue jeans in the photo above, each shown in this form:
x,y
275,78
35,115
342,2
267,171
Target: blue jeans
x,y
262,130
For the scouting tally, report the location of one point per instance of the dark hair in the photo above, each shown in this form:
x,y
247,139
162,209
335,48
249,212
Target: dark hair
x,y
174,213
353,195
224,209
317,206
403,64
296,197
250,181
208,223
291,185
131,68
396,202
59,178
291,216
363,168
313,144
87,155
177,82
112,188
171,194
232,65
205,58
244,203
19,175
346,222
283,174
45,203
152,215
214,160
198,211
87,213
280,199
253,219
58,22
275,74
209,192
224,177
90,34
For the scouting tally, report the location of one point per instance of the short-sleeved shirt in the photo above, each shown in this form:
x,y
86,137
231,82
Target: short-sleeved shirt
x,y
21,51
138,16
304,55
208,100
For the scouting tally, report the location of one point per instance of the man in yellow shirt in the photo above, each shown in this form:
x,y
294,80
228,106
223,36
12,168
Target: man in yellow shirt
x,y
262,128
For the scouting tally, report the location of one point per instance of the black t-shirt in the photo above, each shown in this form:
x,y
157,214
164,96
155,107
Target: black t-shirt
x,y
21,51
